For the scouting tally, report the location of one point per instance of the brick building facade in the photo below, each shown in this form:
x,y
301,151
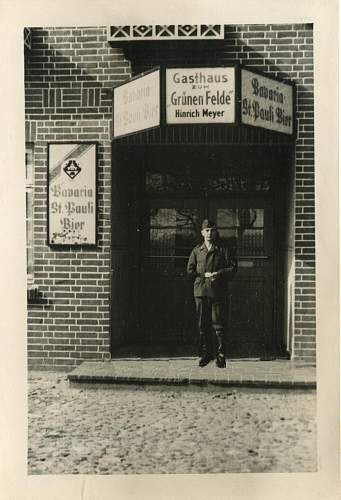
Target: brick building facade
x,y
74,294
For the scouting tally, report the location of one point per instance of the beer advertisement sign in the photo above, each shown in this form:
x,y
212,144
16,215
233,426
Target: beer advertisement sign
x,y
266,103
200,95
137,104
72,194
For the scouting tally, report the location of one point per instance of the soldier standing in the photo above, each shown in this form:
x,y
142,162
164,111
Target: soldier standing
x,y
210,265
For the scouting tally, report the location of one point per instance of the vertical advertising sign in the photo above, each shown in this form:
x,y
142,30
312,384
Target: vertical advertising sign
x,y
137,104
72,194
200,95
266,103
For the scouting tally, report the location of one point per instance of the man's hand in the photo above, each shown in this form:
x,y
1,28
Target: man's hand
x,y
211,275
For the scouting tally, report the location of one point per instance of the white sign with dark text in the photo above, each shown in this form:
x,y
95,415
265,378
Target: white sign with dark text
x,y
137,104
200,95
72,194
266,103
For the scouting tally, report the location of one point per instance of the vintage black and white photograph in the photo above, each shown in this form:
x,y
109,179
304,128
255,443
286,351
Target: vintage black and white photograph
x,y
169,250
170,215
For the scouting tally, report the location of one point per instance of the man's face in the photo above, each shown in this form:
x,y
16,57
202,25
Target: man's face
x,y
209,234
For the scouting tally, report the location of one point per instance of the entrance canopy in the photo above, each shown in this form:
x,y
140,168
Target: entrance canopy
x,y
221,102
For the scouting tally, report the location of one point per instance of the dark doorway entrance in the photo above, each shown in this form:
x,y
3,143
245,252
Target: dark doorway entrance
x,y
170,194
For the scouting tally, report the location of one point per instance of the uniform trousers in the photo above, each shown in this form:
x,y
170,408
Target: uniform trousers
x,y
210,316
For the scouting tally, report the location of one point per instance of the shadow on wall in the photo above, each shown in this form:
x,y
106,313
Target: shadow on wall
x,y
72,71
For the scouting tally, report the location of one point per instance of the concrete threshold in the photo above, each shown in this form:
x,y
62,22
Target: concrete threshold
x,y
281,374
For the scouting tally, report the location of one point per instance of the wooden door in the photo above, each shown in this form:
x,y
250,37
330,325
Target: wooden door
x,y
172,229
238,193
167,314
246,226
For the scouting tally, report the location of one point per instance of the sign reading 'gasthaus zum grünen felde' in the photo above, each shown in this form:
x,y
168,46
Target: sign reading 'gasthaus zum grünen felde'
x,y
266,103
200,95
72,194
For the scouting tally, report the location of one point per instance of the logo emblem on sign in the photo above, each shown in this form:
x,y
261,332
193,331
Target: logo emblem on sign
x,y
72,168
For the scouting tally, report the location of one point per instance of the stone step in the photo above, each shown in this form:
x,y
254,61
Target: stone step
x,y
282,374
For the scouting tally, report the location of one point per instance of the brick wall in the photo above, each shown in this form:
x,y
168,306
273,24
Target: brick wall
x,y
69,78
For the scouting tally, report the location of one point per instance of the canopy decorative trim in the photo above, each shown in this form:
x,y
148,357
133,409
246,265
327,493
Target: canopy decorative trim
x,y
144,32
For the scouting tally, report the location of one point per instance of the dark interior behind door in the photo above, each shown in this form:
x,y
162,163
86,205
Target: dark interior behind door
x,y
171,194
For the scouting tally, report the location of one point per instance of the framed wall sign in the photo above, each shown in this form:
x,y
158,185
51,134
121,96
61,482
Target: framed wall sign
x,y
136,104
72,193
266,102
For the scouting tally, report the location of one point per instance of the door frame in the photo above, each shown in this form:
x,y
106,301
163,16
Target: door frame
x,y
142,153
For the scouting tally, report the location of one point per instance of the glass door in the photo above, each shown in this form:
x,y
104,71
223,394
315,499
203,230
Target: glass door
x,y
246,226
237,191
167,313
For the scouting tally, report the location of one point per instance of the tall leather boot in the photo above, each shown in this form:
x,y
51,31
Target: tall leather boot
x,y
220,361
204,351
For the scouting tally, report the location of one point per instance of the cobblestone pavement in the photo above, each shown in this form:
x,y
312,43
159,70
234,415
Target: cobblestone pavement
x,y
139,429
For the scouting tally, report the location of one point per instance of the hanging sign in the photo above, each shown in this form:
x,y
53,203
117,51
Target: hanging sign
x,y
266,103
137,104
200,95
72,194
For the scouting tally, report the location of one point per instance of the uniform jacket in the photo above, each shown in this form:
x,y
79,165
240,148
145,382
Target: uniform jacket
x,y
217,259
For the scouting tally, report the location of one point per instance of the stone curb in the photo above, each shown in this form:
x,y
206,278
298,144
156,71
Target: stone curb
x,y
260,383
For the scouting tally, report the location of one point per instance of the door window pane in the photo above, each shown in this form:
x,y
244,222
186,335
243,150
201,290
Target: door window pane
x,y
186,231
29,260
172,234
162,231
227,222
178,181
29,164
243,229
226,180
29,204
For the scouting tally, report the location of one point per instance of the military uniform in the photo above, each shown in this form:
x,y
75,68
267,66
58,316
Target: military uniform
x,y
209,294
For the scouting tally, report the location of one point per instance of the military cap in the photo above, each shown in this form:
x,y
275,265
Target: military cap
x,y
208,223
